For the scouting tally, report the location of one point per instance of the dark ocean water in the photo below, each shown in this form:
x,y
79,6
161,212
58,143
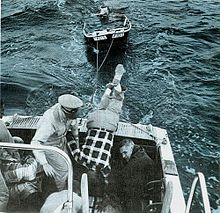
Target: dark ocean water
x,y
172,63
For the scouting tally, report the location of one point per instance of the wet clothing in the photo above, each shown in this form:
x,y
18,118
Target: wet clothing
x,y
132,178
107,114
103,119
52,131
96,151
102,123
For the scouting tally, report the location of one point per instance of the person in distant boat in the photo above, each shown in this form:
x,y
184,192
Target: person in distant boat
x,y
52,131
134,169
104,12
19,172
102,124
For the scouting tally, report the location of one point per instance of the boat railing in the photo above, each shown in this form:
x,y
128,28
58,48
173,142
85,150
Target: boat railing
x,y
69,203
162,206
199,177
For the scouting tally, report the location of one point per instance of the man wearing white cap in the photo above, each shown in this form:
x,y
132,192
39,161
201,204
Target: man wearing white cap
x,y
102,124
52,131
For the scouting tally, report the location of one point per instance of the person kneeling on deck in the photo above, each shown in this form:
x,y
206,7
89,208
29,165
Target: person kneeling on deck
x,y
52,131
19,170
134,170
102,124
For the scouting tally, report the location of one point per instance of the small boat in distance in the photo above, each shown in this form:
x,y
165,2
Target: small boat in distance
x,y
106,27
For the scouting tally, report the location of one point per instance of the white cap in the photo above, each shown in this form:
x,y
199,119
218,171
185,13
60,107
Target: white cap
x,y
70,101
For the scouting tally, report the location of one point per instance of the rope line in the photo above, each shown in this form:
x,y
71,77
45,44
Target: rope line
x,y
99,67
106,55
97,56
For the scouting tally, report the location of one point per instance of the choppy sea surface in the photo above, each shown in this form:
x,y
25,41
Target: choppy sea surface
x,y
173,71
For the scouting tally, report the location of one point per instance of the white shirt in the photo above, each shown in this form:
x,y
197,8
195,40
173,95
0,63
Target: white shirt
x,y
53,127
52,130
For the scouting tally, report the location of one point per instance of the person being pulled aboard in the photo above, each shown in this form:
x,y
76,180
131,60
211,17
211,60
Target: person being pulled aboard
x,y
102,124
52,131
134,169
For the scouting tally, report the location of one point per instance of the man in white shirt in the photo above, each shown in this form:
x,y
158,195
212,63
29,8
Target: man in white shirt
x,y
52,131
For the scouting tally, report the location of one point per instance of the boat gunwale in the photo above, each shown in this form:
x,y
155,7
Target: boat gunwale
x,y
107,32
